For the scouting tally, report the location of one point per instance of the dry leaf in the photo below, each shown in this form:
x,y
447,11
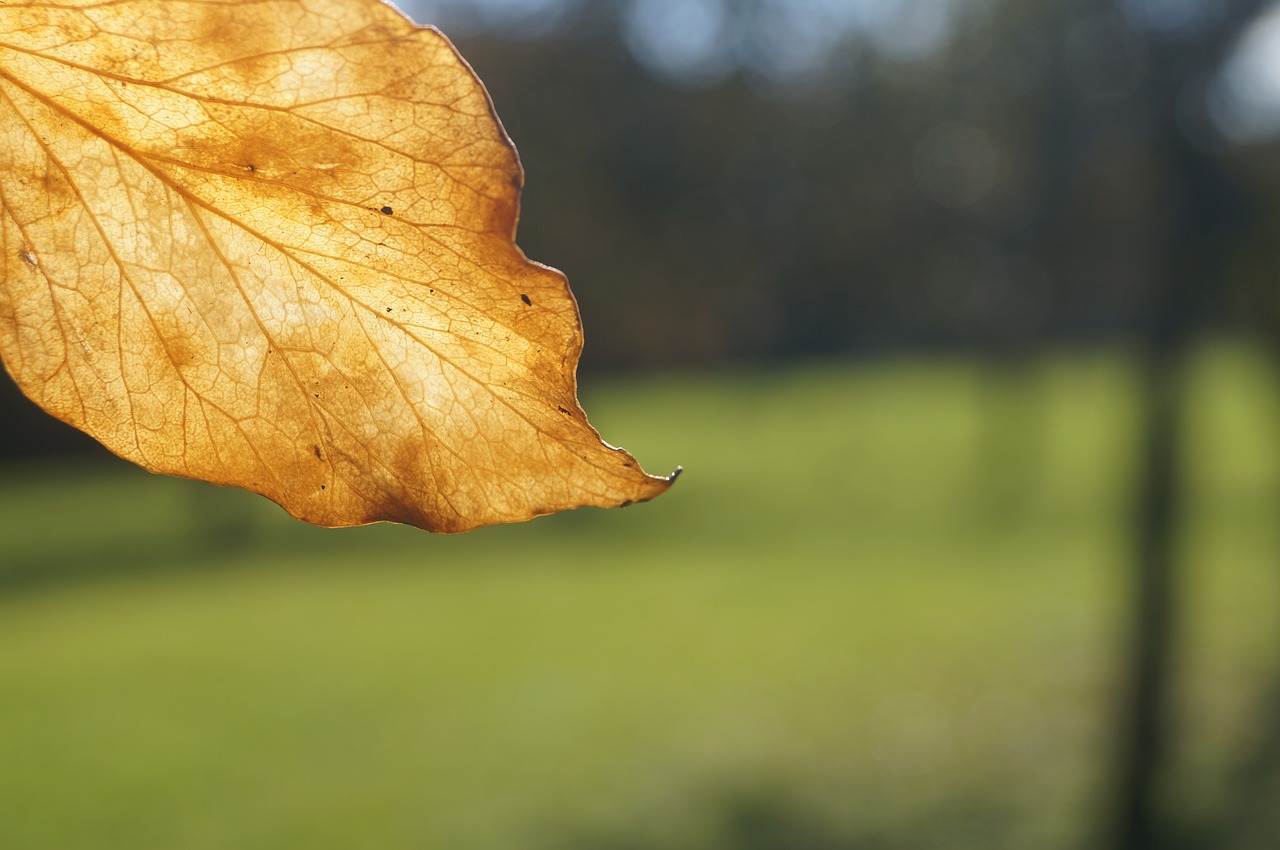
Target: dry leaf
x,y
269,243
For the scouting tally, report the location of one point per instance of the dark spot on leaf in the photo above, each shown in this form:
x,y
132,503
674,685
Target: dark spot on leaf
x,y
321,486
525,299
387,211
316,451
252,168
388,309
562,410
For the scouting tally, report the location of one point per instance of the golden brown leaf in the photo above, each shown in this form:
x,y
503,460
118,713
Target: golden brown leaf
x,y
269,243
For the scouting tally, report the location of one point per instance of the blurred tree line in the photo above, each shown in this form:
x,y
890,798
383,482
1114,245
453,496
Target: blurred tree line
x,y
999,190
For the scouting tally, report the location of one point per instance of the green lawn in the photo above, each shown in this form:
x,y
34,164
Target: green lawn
x,y
884,605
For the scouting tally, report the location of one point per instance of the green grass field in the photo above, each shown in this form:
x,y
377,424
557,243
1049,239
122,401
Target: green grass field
x,y
883,608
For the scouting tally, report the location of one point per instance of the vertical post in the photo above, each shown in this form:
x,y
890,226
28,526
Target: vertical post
x,y
1145,714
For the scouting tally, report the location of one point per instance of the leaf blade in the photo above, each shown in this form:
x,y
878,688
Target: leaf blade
x,y
286,268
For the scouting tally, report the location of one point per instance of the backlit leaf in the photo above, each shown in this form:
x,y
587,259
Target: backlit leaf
x,y
269,243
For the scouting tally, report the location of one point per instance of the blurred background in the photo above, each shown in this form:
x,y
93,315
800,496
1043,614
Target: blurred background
x,y
961,316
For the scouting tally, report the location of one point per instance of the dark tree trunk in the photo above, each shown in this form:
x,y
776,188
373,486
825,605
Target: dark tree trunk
x,y
1195,264
1205,206
1145,714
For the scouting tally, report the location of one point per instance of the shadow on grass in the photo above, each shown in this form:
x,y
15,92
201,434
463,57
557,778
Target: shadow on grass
x,y
101,521
779,819
106,521
217,539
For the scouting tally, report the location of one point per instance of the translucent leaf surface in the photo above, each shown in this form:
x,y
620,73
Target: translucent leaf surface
x,y
270,244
